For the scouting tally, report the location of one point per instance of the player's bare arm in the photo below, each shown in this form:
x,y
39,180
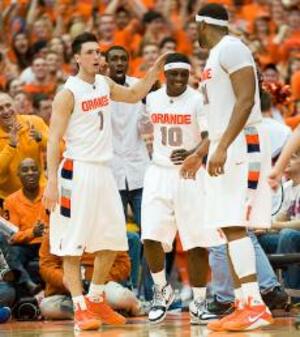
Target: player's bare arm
x,y
193,162
243,84
291,147
141,88
61,110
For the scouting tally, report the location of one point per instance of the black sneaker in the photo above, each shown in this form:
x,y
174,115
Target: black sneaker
x,y
219,308
162,300
199,313
276,298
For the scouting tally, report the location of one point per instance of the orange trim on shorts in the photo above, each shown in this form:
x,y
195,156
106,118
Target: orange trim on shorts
x,y
65,202
252,139
68,164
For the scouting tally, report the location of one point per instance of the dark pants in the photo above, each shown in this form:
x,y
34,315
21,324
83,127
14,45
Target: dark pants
x,y
21,256
134,199
287,241
7,294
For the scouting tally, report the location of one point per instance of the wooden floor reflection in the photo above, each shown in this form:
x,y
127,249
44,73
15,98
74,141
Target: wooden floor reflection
x,y
175,326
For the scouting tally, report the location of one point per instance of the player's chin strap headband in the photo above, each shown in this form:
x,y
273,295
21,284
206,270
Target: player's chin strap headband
x,y
212,21
177,65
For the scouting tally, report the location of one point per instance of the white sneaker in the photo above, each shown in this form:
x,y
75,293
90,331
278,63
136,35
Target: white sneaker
x,y
162,299
199,313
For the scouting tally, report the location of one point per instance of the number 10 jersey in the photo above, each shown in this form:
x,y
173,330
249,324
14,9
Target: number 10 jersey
x,y
177,122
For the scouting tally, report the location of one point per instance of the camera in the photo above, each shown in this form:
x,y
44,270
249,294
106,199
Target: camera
x,y
27,309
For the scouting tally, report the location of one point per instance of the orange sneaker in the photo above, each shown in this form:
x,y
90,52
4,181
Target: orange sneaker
x,y
253,316
85,320
218,324
104,312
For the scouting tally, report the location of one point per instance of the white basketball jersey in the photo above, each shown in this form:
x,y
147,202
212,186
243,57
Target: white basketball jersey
x,y
228,56
177,121
89,134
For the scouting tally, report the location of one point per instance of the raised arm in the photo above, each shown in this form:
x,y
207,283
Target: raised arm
x,y
291,147
61,110
139,90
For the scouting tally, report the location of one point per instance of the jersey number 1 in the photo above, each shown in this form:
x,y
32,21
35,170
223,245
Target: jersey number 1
x,y
100,114
171,136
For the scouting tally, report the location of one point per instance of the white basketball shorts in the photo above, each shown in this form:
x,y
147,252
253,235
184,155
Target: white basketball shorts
x,y
90,215
241,196
171,203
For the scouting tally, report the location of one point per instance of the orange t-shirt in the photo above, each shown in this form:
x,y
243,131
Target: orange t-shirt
x,y
32,88
25,214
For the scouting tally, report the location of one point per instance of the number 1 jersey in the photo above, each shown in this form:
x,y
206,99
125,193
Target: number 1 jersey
x,y
89,132
177,122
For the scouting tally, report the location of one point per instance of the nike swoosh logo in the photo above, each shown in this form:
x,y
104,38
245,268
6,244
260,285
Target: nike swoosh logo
x,y
255,318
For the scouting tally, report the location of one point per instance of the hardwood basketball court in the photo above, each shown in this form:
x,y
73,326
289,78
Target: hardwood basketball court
x,y
174,326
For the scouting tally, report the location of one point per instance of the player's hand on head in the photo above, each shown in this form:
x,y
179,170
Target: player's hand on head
x,y
216,162
178,156
160,61
190,166
50,197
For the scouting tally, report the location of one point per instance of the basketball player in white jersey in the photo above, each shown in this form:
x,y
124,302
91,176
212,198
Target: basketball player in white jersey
x,y
89,215
239,159
171,203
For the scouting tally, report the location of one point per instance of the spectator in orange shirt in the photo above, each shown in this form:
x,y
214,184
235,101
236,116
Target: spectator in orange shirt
x,y
41,82
58,304
25,210
21,136
14,87
106,27
20,52
150,52
23,103
42,104
168,44
56,74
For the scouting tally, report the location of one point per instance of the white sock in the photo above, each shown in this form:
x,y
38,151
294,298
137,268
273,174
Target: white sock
x,y
251,290
95,291
159,278
199,293
79,302
239,296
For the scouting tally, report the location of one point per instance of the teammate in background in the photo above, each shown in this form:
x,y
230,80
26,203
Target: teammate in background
x,y
239,159
89,216
169,202
130,153
291,147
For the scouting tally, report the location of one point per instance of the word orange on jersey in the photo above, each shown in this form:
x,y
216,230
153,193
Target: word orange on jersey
x,y
95,103
170,119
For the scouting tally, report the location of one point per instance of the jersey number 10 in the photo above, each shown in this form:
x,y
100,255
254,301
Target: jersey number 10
x,y
171,136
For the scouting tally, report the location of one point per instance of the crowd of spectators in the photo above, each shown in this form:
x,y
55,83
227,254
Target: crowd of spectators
x,y
36,59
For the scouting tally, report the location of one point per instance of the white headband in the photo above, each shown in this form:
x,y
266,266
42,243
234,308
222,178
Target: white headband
x,y
177,65
212,21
